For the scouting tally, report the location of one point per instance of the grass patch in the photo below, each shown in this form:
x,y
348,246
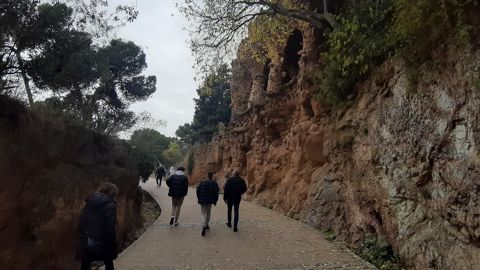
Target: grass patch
x,y
328,234
379,253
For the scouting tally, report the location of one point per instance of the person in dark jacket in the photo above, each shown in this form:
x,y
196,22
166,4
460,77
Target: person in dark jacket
x,y
98,240
207,194
232,195
159,174
178,189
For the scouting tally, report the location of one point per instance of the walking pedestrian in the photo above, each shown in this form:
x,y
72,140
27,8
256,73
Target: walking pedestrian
x,y
207,194
159,174
98,240
232,195
178,189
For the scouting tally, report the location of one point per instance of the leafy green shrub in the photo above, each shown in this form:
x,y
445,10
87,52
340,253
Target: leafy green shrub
x,y
422,26
370,31
378,253
328,234
174,155
360,41
52,109
145,162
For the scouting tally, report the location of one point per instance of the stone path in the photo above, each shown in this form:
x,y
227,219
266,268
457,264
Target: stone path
x,y
265,240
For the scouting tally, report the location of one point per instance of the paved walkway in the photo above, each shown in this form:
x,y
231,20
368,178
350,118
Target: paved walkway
x,y
265,240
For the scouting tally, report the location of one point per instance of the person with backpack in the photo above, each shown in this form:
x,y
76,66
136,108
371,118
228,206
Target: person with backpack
x,y
207,194
98,240
159,174
232,195
178,189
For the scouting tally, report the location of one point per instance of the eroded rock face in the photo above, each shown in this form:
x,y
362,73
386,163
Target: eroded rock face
x,y
47,170
399,164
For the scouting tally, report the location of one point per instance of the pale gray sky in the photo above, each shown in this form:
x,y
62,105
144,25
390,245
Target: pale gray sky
x,y
168,57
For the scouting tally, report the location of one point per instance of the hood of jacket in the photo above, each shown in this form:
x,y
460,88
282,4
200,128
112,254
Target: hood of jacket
x,y
179,172
98,199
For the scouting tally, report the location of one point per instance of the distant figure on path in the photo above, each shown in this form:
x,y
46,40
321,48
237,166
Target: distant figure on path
x,y
232,195
98,240
207,194
178,189
159,174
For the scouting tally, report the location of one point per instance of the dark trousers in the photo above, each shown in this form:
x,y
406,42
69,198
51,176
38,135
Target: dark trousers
x,y
87,263
236,206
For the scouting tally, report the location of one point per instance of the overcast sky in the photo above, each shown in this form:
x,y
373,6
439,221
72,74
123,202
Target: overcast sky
x,y
168,57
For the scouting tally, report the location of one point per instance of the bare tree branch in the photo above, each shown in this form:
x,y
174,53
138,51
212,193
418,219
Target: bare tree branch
x,y
218,26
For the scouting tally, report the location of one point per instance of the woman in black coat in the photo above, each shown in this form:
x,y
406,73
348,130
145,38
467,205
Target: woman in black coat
x,y
98,241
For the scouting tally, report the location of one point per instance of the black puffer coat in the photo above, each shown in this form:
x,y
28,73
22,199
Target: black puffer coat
x,y
207,192
160,172
234,188
177,185
97,222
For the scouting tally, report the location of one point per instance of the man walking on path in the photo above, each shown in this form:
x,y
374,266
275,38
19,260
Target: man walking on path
x,y
207,194
159,174
232,195
178,189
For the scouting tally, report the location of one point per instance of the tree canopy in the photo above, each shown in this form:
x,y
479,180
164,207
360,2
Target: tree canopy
x,y
218,26
152,148
53,46
211,108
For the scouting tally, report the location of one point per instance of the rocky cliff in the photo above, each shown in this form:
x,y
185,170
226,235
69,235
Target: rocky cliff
x,y
399,164
47,169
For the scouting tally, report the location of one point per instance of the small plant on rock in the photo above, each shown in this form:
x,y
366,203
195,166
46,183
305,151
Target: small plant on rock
x,y
378,252
328,234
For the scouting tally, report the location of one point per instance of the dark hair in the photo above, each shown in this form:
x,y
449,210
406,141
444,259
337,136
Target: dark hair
x,y
181,169
109,189
210,174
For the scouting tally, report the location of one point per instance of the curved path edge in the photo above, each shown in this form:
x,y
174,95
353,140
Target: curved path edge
x,y
266,240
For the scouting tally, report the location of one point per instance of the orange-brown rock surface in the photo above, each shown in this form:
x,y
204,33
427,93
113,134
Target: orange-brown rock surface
x,y
398,164
47,170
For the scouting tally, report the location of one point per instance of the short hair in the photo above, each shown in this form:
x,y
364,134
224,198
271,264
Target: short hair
x,y
210,174
181,168
109,189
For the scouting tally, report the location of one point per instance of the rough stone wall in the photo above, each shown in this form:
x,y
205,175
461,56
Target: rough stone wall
x,y
399,164
47,169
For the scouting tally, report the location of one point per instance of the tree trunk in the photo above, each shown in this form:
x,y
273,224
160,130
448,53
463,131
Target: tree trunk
x,y
25,78
325,6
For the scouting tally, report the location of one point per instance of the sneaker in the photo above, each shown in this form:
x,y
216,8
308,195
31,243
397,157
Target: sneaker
x,y
235,229
176,224
229,225
207,227
204,230
171,221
